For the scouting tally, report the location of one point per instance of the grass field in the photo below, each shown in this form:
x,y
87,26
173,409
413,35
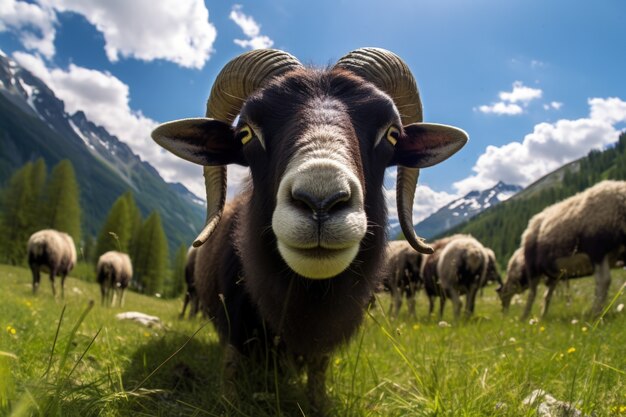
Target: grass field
x,y
402,367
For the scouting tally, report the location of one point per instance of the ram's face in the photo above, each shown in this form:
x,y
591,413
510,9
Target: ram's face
x,y
312,151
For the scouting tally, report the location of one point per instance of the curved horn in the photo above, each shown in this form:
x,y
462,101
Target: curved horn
x,y
238,79
390,73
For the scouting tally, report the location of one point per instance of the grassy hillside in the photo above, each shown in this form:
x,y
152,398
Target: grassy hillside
x,y
401,367
501,227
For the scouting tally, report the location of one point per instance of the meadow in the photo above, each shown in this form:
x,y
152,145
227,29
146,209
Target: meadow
x,y
72,358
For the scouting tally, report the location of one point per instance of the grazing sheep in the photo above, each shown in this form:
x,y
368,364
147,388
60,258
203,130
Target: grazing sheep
x,y
580,235
402,277
462,269
491,274
53,251
114,272
191,295
295,257
428,272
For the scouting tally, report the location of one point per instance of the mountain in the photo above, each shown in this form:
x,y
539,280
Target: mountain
x,y
34,123
460,210
500,227
463,209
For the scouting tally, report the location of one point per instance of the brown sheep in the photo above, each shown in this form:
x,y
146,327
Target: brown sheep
x,y
114,273
583,234
462,269
402,276
294,259
428,272
53,251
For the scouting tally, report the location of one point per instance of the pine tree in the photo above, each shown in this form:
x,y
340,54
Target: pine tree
x,y
177,285
134,217
17,222
115,233
152,258
38,183
63,207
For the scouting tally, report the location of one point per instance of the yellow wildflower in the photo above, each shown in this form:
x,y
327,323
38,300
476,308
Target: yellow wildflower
x,y
11,329
584,329
337,361
416,327
571,350
542,329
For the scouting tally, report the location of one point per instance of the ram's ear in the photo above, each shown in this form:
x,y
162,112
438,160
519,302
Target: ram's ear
x,y
203,141
426,144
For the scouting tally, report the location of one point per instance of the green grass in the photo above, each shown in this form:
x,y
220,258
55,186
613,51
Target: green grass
x,y
402,367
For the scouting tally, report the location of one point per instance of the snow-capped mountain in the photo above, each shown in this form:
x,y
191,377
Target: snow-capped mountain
x,y
461,210
34,123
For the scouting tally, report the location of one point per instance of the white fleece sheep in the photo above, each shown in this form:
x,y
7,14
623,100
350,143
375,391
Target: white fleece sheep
x,y
53,252
114,272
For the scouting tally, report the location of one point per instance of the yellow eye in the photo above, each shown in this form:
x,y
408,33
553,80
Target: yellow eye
x,y
392,135
245,134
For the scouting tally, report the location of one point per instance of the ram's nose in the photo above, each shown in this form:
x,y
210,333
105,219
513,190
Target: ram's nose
x,y
321,207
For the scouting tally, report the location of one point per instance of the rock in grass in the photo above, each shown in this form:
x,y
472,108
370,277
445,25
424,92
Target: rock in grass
x,y
144,319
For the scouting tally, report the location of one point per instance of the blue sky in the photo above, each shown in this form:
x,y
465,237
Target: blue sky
x,y
535,83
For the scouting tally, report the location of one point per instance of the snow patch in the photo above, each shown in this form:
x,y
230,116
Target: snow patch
x,y
80,134
504,196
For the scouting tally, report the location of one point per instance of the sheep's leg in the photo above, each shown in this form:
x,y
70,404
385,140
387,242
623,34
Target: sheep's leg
x,y
113,294
442,304
410,298
456,302
316,382
122,293
230,366
603,282
548,297
532,293
53,273
471,300
431,305
396,301
36,277
182,314
195,305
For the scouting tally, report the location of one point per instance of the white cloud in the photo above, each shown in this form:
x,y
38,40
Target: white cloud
x,y
508,104
549,146
174,30
105,101
426,202
32,23
611,110
520,93
501,108
250,28
554,105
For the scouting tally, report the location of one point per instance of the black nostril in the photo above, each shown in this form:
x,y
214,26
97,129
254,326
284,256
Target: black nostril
x,y
319,206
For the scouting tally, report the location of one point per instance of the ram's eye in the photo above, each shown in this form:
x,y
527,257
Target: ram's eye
x,y
392,135
245,134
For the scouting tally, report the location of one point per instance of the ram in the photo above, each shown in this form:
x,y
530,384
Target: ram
x,y
294,258
402,276
53,251
579,236
114,272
